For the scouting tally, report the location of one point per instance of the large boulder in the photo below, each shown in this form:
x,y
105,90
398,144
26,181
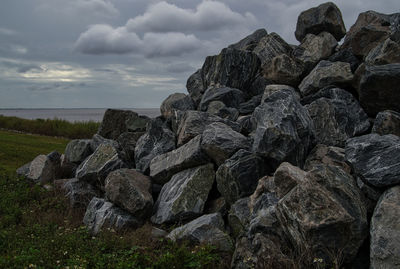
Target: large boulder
x,y
77,150
98,165
131,191
237,177
164,166
231,68
184,196
78,192
219,142
157,140
101,214
323,18
385,231
269,47
337,116
229,96
284,69
285,131
387,122
44,168
375,158
207,229
116,122
97,140
174,102
379,88
195,87
250,41
325,74
387,52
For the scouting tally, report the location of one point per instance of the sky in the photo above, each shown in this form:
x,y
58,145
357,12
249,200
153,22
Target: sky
x,y
130,53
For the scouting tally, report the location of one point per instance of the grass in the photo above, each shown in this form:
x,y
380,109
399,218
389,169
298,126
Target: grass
x,y
51,127
39,230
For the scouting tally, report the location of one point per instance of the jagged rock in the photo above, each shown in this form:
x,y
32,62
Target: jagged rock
x,y
174,102
337,116
127,143
269,47
325,213
315,48
284,70
101,214
273,88
250,41
131,191
239,216
157,140
324,74
193,123
325,17
77,150
379,88
237,177
184,196
98,165
263,218
229,96
219,142
44,168
97,140
387,52
387,122
79,193
370,29
195,87
375,158
346,56
385,231
207,229
231,68
116,122
219,109
285,131
395,27
248,107
372,195
164,166
246,125
323,154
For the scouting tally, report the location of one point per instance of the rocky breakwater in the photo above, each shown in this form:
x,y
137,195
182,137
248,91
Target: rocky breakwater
x,y
286,156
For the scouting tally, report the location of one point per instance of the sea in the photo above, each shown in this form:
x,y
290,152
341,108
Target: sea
x,y
71,114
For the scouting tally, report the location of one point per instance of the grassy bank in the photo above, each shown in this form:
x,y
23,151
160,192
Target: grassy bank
x,y
38,230
54,127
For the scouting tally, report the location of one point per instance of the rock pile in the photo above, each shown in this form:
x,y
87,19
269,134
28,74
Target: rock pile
x,y
279,152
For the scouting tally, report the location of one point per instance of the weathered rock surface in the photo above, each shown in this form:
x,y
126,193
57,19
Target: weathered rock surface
x,y
337,116
101,214
323,154
97,140
207,229
387,52
250,41
219,142
23,170
239,216
237,177
248,107
387,122
157,140
98,165
77,150
174,102
229,96
127,143
346,56
379,88
184,196
285,131
284,70
269,47
375,158
79,193
219,109
385,231
195,87
44,168
325,17
131,191
164,166
273,88
325,74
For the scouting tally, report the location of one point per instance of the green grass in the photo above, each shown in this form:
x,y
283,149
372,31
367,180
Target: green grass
x,y
51,127
39,230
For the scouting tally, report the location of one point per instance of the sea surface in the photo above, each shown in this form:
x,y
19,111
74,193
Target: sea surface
x,y
72,114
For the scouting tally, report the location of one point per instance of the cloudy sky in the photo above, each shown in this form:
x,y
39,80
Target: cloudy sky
x,y
129,53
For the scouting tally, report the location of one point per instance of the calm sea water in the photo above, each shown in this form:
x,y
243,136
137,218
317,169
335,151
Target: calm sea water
x,y
72,114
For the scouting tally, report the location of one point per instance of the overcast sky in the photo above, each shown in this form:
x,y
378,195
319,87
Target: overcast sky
x,y
130,53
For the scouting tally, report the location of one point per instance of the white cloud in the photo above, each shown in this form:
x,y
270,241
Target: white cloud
x,y
6,31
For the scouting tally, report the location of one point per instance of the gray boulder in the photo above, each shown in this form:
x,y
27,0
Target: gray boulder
x,y
250,41
229,96
379,88
79,193
346,56
207,229
77,150
375,158
387,52
325,74
97,140
323,154
284,69
219,142
44,168
269,47
325,17
101,215
385,231
157,140
23,170
174,102
239,216
387,122
219,109
273,88
127,143
164,166
184,196
195,87
131,191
